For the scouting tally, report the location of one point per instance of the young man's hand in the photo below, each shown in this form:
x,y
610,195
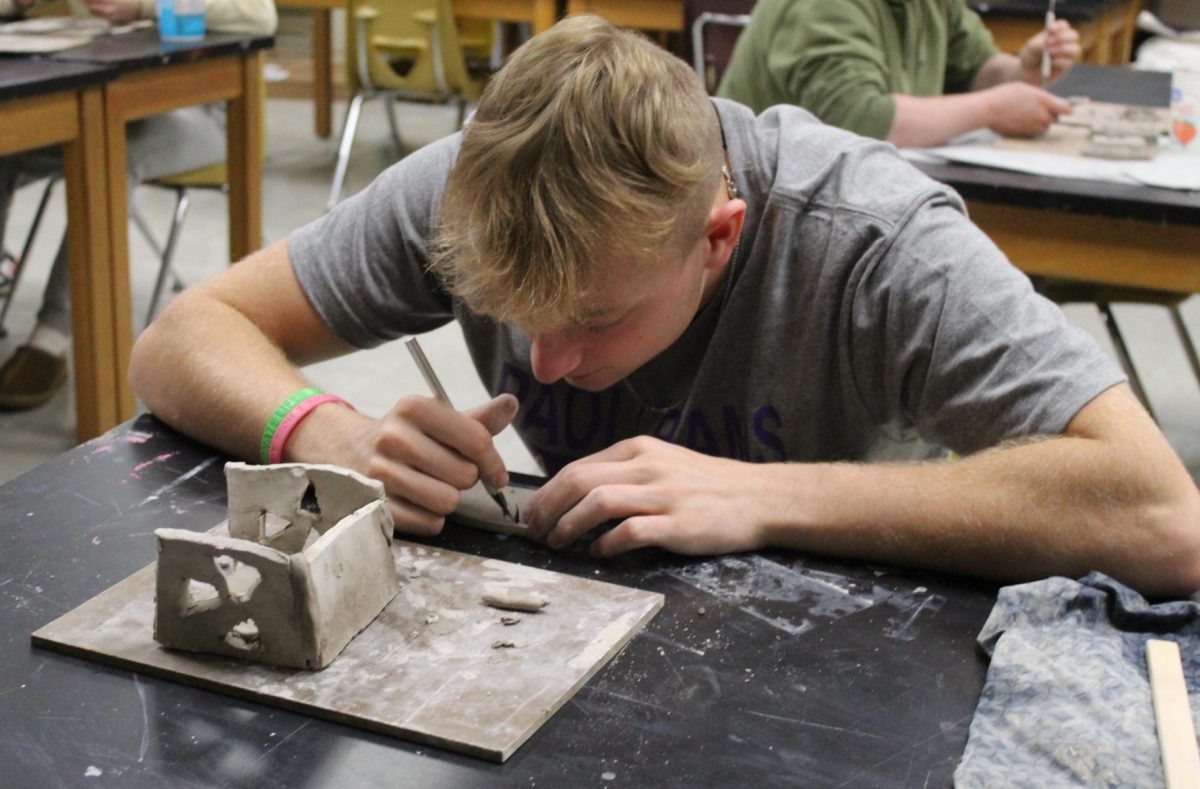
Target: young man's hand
x,y
119,12
662,494
1016,109
425,453
1063,45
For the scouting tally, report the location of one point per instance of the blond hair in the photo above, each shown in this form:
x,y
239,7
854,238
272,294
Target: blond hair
x,y
592,144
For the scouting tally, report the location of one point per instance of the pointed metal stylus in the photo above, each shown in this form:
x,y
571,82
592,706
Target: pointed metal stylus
x,y
435,384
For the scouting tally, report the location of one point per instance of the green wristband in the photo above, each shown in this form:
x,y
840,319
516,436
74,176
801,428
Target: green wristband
x,y
293,400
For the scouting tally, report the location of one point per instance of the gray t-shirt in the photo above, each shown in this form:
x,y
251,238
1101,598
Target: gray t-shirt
x,y
864,317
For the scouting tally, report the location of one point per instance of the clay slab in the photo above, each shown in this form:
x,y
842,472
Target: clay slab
x,y
476,509
431,679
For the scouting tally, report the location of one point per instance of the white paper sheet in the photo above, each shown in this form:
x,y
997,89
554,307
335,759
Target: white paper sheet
x,y
1169,170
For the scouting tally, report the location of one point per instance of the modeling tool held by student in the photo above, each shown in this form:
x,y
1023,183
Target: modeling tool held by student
x,y
1046,64
435,384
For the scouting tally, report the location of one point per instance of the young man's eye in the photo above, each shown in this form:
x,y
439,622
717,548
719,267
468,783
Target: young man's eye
x,y
599,326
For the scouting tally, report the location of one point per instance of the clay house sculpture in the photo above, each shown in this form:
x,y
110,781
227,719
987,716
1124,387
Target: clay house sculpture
x,y
307,564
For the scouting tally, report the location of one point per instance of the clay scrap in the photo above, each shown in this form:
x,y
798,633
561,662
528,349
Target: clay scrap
x,y
307,564
515,599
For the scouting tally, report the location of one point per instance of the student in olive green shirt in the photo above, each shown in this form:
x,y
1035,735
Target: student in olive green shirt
x,y
913,72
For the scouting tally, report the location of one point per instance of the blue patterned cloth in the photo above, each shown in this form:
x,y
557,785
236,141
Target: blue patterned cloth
x,y
1067,697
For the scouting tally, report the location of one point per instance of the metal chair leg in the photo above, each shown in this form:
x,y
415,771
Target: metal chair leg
x,y
348,132
1118,341
21,261
1188,346
139,221
462,112
181,206
389,101
143,226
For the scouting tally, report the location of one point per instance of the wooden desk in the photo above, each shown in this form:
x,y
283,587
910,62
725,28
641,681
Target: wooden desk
x,y
154,77
1105,27
1080,230
539,14
763,669
322,55
664,15
47,103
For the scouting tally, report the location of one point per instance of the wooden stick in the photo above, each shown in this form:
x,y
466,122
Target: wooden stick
x,y
1173,715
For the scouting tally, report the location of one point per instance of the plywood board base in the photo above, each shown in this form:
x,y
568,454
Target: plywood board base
x,y
438,666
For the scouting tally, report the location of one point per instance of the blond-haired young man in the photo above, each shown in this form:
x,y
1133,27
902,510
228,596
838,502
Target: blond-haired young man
x,y
718,327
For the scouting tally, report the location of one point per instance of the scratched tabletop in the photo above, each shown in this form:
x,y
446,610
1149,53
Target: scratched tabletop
x,y
766,669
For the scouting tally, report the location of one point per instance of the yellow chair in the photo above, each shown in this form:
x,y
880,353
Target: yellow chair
x,y
410,50
214,177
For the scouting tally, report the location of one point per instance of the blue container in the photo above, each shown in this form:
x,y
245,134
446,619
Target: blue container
x,y
181,20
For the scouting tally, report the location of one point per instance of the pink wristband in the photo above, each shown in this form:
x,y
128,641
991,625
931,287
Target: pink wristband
x,y
293,418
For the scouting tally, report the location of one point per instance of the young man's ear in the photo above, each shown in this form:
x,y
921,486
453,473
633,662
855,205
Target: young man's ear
x,y
722,230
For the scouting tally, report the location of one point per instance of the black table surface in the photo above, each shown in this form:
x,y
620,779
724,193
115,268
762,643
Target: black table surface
x,y
775,669
1074,11
142,49
22,77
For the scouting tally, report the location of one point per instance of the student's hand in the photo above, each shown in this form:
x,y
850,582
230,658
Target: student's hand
x,y
662,494
1016,109
1065,51
425,453
119,12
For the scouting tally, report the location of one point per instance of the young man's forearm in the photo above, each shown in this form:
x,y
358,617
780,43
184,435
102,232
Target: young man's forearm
x,y
926,121
206,371
210,371
223,357
997,70
1013,108
1060,506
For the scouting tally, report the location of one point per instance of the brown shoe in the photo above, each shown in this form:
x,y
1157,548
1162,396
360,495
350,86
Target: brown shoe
x,y
29,378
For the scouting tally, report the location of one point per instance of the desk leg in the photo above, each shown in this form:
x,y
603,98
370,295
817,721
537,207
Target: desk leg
x,y
120,301
88,253
244,147
322,70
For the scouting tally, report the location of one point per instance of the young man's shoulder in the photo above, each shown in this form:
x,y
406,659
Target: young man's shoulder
x,y
793,156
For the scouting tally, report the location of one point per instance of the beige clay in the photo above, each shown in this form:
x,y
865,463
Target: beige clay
x,y
515,599
306,566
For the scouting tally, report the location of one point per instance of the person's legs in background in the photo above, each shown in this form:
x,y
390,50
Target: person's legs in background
x,y
15,172
29,370
8,185
174,142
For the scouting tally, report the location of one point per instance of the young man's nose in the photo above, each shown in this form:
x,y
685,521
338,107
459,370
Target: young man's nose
x,y
554,356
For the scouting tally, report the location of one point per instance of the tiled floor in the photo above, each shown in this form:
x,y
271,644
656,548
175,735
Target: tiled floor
x,y
298,171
